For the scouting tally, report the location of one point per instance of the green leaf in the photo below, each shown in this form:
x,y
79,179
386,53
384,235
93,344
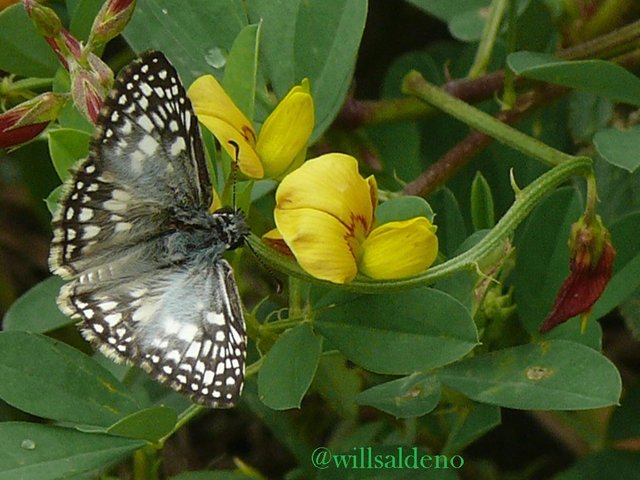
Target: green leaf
x,y
617,147
445,11
469,424
37,311
24,52
66,147
599,77
553,375
31,451
588,113
410,331
467,26
604,464
282,383
403,208
338,383
150,424
242,69
63,384
626,267
407,397
53,199
543,264
282,425
317,39
482,209
82,13
451,228
193,46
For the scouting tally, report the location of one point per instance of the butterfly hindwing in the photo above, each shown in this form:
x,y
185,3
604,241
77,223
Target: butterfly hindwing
x,y
196,345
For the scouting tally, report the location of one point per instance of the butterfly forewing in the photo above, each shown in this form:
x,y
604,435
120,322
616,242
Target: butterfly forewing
x,y
143,254
145,161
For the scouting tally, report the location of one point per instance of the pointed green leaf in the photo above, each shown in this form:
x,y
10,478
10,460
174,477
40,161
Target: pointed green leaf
x,y
150,424
50,379
468,423
618,147
482,209
66,147
30,451
24,52
553,375
411,396
317,39
36,311
403,208
282,383
338,383
242,68
602,78
410,331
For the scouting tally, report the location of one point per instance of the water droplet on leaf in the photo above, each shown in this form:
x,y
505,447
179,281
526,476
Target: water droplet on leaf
x,y
216,57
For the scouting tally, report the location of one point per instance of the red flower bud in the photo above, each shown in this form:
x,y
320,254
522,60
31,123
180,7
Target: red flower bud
x,y
25,121
591,265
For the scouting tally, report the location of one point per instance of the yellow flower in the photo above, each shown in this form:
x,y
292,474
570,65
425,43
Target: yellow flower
x,y
280,146
325,213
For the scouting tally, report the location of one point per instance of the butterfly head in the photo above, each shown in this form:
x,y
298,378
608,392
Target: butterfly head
x,y
234,226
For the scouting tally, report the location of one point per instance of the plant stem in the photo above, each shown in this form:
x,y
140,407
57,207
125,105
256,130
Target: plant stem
x,y
488,39
416,85
525,202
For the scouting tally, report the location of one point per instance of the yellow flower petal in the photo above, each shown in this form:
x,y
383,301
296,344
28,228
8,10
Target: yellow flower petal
x,y
399,249
209,99
285,132
331,184
320,243
246,156
217,112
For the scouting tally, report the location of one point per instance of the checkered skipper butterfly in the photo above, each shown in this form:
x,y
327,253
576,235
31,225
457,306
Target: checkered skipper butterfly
x,y
143,255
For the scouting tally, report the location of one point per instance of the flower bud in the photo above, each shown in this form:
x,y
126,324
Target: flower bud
x,y
48,24
591,266
111,20
25,121
87,91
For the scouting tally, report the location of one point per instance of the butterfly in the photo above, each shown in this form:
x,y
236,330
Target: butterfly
x,y
144,256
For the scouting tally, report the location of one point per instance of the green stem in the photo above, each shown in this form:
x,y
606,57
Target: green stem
x,y
525,202
509,95
488,39
416,85
295,297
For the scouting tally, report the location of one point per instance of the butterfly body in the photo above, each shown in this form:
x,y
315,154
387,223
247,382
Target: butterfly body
x,y
143,254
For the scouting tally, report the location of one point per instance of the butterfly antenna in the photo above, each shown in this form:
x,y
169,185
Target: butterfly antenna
x,y
234,172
